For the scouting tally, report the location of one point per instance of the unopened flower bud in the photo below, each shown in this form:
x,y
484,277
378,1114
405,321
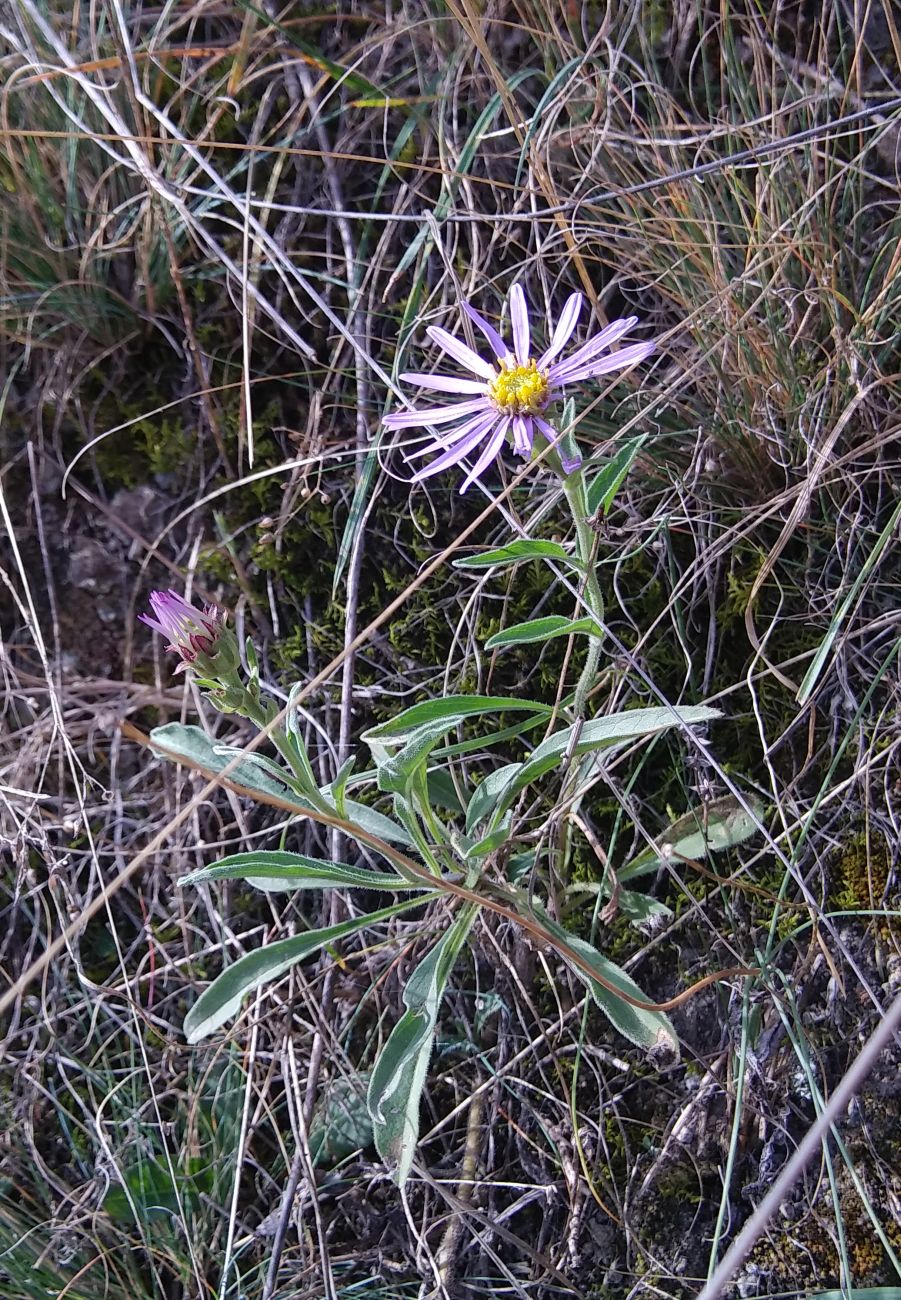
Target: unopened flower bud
x,y
198,636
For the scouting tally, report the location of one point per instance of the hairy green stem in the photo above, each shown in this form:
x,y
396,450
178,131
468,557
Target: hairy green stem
x,y
574,490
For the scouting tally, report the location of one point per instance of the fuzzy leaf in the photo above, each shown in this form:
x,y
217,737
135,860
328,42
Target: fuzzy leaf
x,y
483,802
453,709
649,1029
398,1077
259,773
277,872
720,825
340,1123
542,629
223,998
517,553
598,734
606,483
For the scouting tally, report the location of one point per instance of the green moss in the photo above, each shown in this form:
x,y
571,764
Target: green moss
x,y
860,873
806,1255
146,448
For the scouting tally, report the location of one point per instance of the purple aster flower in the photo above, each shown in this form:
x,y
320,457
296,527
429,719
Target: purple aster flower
x,y
190,632
510,394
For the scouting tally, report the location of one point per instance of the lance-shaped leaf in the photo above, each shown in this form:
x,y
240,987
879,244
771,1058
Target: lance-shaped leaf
x,y
543,629
606,483
258,773
485,799
649,1029
398,1077
708,829
277,871
517,553
600,733
223,998
178,740
397,771
453,709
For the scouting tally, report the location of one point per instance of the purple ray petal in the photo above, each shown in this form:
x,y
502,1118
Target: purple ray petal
x,y
494,445
456,452
433,414
608,336
629,356
519,323
460,352
522,435
498,346
445,383
443,440
565,326
553,436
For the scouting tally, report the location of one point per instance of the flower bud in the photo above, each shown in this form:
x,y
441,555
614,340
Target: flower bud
x,y
200,637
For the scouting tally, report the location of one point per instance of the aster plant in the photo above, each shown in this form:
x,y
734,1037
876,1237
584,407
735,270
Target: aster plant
x,y
470,860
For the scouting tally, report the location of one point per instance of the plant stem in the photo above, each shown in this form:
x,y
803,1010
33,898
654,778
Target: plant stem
x,y
586,545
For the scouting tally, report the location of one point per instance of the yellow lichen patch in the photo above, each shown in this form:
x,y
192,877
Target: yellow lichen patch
x,y
520,389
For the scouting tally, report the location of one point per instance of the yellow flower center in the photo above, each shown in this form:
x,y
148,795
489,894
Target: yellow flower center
x,y
519,389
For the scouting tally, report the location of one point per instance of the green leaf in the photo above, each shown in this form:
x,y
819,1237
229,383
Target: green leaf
x,y
375,823
256,773
397,772
517,553
493,840
442,791
454,709
340,1124
223,998
354,81
193,744
606,483
542,629
617,728
462,164
398,1077
635,907
601,733
485,799
148,1191
639,908
708,829
337,789
277,871
825,648
649,1029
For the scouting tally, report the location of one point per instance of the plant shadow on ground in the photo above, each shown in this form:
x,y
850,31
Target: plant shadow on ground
x,y
134,1165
